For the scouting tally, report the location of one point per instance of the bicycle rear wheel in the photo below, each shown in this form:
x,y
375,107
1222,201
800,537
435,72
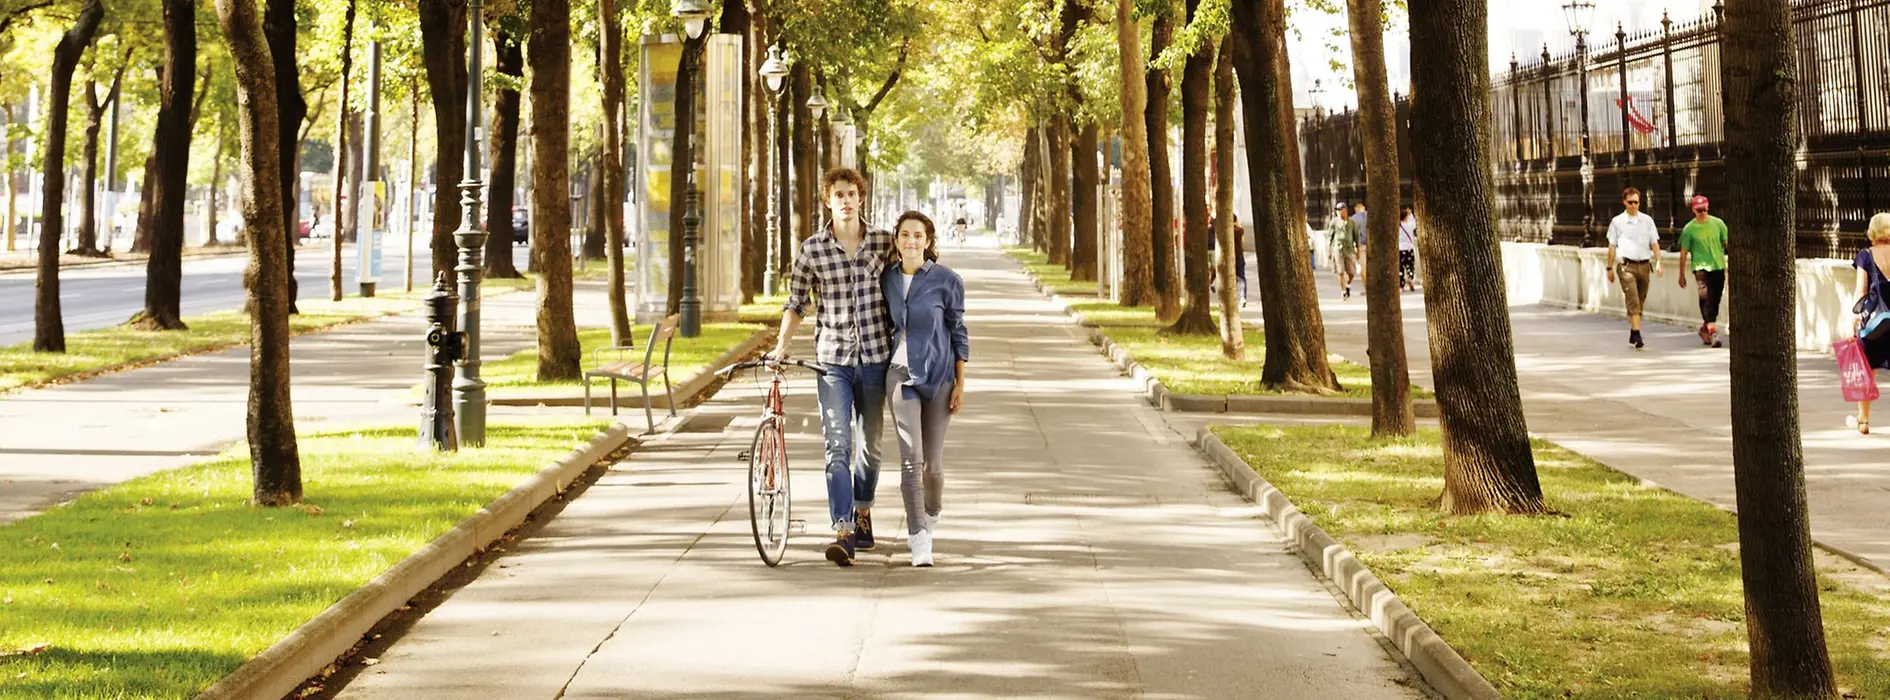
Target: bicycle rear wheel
x,y
769,498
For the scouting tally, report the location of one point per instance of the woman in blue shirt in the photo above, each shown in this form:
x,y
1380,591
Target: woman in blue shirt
x,y
927,374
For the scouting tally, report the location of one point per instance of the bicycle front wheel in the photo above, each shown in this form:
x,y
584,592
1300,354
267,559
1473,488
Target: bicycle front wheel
x,y
769,499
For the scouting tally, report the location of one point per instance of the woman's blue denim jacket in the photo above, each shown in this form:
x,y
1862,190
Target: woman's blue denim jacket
x,y
931,318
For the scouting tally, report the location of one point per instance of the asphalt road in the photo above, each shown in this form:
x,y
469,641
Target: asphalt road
x,y
100,297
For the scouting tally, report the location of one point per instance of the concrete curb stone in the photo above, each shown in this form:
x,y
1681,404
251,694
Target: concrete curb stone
x,y
686,391
1442,667
1159,396
278,670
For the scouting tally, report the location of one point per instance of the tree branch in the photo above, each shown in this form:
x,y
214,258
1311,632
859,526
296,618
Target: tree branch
x,y
898,67
6,23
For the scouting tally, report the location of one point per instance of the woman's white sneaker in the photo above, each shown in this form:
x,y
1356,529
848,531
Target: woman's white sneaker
x,y
920,544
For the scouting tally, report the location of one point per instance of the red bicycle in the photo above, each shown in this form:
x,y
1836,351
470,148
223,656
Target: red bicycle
x,y
770,501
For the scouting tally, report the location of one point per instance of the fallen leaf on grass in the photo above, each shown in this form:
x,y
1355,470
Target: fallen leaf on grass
x,y
309,508
39,648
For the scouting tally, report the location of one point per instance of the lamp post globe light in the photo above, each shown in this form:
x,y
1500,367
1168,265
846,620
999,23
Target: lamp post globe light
x,y
774,74
695,18
469,391
817,106
1579,14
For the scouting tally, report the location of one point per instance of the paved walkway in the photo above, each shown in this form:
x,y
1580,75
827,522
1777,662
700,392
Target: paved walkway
x,y
1661,413
64,440
1085,551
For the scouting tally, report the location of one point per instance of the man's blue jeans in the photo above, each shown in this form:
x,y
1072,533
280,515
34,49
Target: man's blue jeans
x,y
852,414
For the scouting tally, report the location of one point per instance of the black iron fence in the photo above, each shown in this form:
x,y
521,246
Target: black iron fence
x,y
1653,121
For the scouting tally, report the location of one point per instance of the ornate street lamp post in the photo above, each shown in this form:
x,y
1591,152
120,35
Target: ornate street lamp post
x,y
695,17
774,74
817,106
469,392
1579,12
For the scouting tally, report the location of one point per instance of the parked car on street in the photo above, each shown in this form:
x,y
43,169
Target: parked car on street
x,y
521,226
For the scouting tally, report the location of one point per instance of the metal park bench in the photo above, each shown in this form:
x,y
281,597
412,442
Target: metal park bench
x,y
627,370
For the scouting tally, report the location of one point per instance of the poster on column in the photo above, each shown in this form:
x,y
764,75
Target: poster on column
x,y
372,225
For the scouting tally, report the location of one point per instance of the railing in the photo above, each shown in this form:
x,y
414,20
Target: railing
x,y
1664,138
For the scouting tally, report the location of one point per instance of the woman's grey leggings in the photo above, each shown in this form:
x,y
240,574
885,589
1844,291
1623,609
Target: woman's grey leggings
x,y
920,420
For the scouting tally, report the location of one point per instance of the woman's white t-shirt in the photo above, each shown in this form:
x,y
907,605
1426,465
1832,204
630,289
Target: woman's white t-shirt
x,y
1407,235
899,351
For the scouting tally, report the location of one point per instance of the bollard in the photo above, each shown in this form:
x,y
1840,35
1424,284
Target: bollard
x,y
444,346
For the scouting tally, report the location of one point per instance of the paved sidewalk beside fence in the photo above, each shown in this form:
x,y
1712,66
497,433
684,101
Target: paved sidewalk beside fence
x,y
1085,551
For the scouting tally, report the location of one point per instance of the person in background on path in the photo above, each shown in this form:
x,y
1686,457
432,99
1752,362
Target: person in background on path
x,y
1407,250
1703,242
1358,234
853,336
1240,258
1342,247
1634,248
1873,297
927,374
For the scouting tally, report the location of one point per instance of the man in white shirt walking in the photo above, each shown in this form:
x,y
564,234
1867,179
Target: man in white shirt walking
x,y
1634,248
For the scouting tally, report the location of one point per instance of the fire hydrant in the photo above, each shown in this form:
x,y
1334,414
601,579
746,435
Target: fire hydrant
x,y
444,347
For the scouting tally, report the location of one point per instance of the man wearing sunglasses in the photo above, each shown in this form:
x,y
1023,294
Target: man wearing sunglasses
x,y
1634,250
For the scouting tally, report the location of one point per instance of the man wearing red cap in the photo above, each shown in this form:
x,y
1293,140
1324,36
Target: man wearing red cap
x,y
1704,242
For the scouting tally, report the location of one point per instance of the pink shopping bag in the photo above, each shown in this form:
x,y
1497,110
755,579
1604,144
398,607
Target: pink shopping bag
x,y
1860,383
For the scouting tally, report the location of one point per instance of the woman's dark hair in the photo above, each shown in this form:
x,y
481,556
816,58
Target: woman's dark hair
x,y
931,236
1407,211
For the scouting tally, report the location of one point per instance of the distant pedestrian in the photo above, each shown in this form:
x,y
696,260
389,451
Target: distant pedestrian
x,y
1873,299
1407,250
926,377
1703,243
1634,249
1240,258
1358,236
1342,247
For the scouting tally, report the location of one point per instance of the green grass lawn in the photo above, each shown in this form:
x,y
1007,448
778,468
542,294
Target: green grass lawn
x,y
110,349
1635,594
517,375
158,587
1187,364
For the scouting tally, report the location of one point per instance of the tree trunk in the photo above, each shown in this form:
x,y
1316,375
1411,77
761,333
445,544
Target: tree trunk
x,y
558,352
682,168
503,155
1784,622
1196,75
413,179
274,459
87,244
806,180
1058,211
594,186
1032,189
1488,465
1233,336
1391,375
94,117
1165,275
610,42
754,149
342,192
216,187
279,27
1138,275
1295,335
1083,162
443,42
49,328
170,161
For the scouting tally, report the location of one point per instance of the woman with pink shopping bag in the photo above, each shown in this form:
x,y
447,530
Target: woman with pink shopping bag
x,y
1872,326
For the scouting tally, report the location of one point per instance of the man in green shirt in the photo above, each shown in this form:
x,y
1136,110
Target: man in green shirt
x,y
1704,242
1342,247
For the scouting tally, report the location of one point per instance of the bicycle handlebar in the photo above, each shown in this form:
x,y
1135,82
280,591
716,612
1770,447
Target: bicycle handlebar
x,y
814,367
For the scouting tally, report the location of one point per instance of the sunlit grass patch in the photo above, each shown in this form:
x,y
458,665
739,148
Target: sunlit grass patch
x,y
517,375
157,587
1632,592
120,347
